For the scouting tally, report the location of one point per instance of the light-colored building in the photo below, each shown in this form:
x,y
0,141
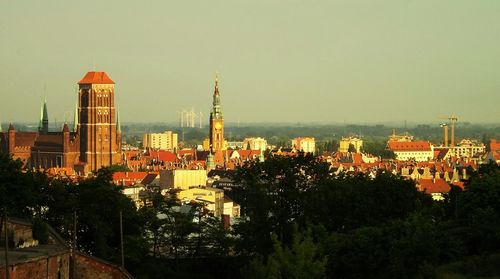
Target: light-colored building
x,y
420,151
182,179
164,141
306,144
467,149
212,198
234,144
255,144
345,143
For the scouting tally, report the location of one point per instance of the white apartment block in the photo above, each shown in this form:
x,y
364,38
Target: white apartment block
x,y
164,141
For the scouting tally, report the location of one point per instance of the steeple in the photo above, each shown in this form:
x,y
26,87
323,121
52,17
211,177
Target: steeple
x,y
45,118
118,122
216,121
40,122
75,119
216,109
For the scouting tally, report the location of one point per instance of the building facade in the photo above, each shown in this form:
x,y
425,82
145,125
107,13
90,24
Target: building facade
x,y
100,136
355,142
95,141
306,145
163,141
419,151
255,144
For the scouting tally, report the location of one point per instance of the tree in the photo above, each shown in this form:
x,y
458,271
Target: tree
x,y
97,203
301,260
273,196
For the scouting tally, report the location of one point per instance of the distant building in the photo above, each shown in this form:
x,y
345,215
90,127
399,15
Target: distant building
x,y
182,178
419,151
163,141
217,142
306,145
355,142
95,141
234,144
405,137
212,198
255,144
494,151
467,149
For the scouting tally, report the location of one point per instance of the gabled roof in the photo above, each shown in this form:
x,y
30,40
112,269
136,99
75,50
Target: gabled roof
x,y
129,175
96,78
162,155
150,177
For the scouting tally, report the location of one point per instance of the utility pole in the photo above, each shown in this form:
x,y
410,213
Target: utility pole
x,y
121,240
73,266
7,272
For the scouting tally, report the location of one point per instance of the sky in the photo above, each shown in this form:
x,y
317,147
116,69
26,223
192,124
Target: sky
x,y
343,61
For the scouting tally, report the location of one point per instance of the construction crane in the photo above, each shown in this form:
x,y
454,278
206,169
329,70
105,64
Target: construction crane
x,y
452,122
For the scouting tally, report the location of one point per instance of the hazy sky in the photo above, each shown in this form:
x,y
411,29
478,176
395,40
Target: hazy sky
x,y
294,61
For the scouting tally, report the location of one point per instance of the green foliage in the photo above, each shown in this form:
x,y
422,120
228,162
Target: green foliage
x,y
118,168
176,231
20,193
352,226
301,260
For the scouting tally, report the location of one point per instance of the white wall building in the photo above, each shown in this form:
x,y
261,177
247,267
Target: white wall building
x,y
255,144
164,141
307,145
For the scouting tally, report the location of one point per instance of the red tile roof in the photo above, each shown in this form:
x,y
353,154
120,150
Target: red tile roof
x,y
96,78
409,146
434,185
162,155
129,176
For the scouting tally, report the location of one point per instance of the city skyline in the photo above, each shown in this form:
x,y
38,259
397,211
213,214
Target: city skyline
x,y
315,61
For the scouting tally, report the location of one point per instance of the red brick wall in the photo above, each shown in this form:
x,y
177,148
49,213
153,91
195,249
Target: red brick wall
x,y
88,267
53,267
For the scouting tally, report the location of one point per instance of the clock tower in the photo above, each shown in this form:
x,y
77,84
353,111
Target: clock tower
x,y
216,122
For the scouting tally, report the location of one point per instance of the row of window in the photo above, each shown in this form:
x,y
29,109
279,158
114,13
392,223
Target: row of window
x,y
103,100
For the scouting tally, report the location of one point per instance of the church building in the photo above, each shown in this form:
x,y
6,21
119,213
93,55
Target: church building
x,y
94,142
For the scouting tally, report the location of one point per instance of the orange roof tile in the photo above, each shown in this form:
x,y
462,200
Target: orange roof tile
x,y
409,146
96,78
434,185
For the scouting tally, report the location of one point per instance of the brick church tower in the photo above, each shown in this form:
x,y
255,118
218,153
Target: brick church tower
x,y
100,140
216,122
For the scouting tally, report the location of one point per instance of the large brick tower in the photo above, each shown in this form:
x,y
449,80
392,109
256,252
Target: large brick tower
x,y
100,142
216,122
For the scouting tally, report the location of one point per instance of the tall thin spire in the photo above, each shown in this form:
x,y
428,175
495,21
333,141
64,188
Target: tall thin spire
x,y
118,122
75,119
45,117
40,122
217,109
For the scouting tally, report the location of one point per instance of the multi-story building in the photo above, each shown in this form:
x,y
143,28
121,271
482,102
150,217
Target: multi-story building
x,y
306,145
467,149
182,179
355,142
255,144
163,141
100,135
94,142
419,151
